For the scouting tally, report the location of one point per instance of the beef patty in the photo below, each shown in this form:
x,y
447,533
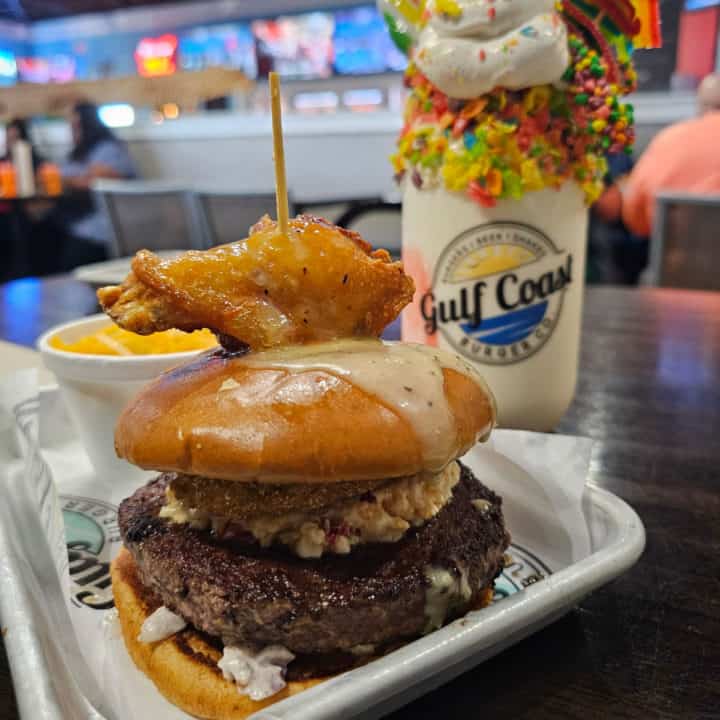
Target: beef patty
x,y
379,594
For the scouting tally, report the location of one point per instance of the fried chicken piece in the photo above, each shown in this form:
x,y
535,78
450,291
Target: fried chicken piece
x,y
242,500
319,283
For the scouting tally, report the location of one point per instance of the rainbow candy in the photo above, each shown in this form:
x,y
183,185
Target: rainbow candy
x,y
505,143
648,12
625,24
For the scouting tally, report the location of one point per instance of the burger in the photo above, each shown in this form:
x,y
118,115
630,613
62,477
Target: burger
x,y
310,514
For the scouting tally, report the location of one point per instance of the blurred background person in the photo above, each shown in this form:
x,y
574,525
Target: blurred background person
x,y
615,254
96,154
684,157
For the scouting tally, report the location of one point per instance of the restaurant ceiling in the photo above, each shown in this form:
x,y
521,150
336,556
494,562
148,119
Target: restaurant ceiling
x,y
27,11
31,10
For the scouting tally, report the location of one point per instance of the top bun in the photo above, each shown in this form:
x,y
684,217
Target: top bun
x,y
235,418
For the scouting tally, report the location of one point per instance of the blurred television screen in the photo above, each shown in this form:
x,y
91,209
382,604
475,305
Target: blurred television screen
x,y
229,45
362,43
8,67
297,46
53,69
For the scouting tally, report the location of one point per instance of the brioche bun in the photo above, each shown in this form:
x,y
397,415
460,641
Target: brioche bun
x,y
183,423
184,666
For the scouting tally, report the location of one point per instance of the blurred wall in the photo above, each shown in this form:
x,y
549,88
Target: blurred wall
x,y
328,158
335,156
697,42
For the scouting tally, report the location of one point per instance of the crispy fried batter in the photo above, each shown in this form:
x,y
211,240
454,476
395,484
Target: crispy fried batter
x,y
244,500
318,283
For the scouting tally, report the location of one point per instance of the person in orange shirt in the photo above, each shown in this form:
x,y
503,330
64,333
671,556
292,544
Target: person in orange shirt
x,y
684,157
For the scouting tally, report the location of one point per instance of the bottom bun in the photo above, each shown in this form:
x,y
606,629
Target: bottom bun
x,y
184,666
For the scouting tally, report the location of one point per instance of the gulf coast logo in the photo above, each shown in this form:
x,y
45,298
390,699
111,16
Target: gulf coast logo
x,y
92,536
497,292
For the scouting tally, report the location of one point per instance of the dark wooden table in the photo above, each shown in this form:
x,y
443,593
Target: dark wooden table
x,y
29,306
647,646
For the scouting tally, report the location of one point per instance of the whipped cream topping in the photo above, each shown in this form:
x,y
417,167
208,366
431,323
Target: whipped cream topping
x,y
485,18
493,43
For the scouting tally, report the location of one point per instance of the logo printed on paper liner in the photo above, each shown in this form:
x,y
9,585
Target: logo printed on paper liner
x,y
91,532
522,569
497,292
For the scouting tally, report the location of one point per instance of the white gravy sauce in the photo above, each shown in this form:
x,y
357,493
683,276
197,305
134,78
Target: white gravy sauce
x,y
406,377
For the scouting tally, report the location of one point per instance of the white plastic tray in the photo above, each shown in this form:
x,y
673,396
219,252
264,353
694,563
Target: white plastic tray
x,y
571,538
618,539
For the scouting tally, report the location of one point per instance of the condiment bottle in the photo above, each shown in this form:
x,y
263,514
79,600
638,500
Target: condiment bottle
x,y
50,179
25,173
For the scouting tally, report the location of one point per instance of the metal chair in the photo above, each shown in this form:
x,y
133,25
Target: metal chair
x,y
151,215
685,244
227,217
378,222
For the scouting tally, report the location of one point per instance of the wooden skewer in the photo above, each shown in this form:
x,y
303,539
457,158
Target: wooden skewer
x,y
278,154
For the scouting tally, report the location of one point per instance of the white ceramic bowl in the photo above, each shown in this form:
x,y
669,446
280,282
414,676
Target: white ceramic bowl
x,y
96,388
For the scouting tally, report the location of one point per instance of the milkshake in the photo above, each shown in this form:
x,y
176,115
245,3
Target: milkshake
x,y
512,108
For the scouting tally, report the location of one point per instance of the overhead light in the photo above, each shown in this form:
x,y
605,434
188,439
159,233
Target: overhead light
x,y
117,115
171,111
